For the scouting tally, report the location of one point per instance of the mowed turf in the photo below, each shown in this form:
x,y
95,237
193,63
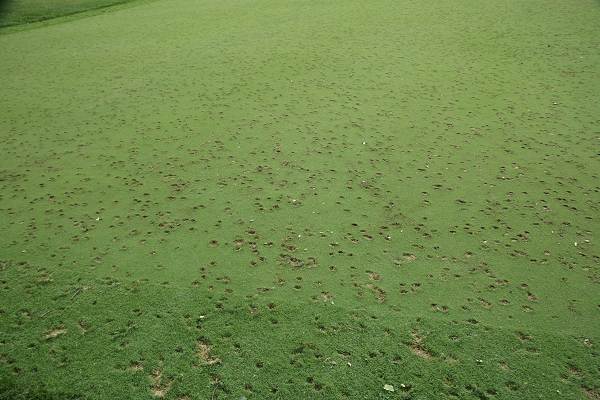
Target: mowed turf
x,y
302,199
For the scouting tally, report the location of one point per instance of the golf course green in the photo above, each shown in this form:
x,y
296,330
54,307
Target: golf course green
x,y
300,199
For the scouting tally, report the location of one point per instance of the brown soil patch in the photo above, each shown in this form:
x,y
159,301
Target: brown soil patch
x,y
591,393
135,366
326,297
160,386
374,276
56,332
203,350
417,347
378,292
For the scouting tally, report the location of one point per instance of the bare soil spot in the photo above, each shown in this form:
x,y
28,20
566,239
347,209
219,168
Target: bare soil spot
x,y
135,366
592,394
203,351
56,332
160,386
326,297
409,257
417,347
374,276
378,292
504,366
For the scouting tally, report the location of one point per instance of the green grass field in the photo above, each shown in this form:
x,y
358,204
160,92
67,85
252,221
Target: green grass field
x,y
301,199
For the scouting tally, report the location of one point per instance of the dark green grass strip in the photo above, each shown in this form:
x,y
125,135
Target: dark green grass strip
x,y
16,16
103,338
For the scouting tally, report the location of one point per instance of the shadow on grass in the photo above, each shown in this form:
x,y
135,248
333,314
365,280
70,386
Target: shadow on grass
x,y
3,7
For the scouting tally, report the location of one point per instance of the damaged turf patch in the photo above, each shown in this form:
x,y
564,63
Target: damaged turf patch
x,y
203,351
417,347
56,332
160,387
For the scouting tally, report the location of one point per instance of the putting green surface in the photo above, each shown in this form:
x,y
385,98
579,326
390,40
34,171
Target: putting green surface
x,y
302,199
